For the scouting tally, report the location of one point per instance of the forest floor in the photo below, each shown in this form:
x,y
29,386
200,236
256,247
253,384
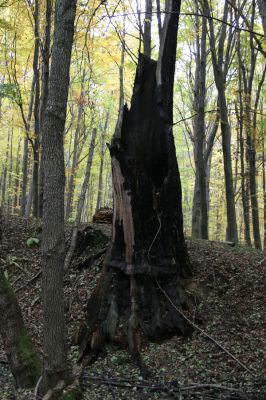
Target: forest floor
x,y
229,284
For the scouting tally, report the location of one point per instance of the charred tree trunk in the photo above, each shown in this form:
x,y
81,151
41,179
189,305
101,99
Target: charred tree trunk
x,y
147,260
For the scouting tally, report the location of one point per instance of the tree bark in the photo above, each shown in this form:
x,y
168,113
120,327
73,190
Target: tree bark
x,y
262,8
148,250
44,95
247,75
23,202
159,18
81,201
36,142
219,69
264,191
22,356
200,210
4,174
53,240
147,28
76,153
10,175
17,178
103,146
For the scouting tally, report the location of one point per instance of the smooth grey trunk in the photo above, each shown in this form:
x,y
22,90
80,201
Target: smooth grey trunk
x,y
4,174
81,201
36,111
219,77
10,175
262,9
25,160
244,191
76,155
121,86
147,28
253,183
159,18
55,366
100,182
29,197
17,178
247,75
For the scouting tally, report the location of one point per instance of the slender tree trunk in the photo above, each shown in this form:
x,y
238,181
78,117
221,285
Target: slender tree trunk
x,y
219,77
17,178
147,28
159,17
81,202
36,143
200,210
247,75
244,192
76,153
100,183
53,241
30,195
264,190
23,201
10,176
262,8
4,179
148,250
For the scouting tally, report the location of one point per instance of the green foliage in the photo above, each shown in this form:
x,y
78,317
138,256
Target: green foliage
x,y
5,287
35,300
4,24
71,221
72,394
10,260
10,91
32,241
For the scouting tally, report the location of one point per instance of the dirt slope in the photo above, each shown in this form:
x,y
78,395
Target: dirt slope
x,y
229,290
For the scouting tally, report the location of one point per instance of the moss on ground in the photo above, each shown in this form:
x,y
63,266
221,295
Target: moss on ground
x,y
29,357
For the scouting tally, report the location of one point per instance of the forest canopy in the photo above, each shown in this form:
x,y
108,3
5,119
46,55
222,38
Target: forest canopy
x,y
101,30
